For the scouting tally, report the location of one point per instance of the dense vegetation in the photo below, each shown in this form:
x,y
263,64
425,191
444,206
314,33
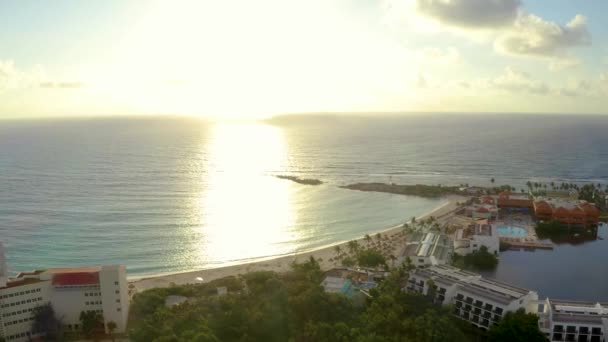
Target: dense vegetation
x,y
517,326
306,181
478,260
414,190
266,306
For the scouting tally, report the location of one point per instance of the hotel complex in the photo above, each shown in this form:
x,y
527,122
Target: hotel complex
x,y
564,210
574,321
483,302
70,291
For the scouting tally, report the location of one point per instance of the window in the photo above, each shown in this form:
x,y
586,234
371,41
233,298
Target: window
x,y
118,309
115,283
117,291
118,301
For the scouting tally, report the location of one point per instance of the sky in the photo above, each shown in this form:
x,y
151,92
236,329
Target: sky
x,y
250,59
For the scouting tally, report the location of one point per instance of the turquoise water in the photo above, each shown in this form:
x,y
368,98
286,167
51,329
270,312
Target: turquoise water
x,y
511,231
175,194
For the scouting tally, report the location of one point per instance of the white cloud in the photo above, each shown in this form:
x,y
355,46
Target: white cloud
x,y
436,55
13,78
515,82
533,36
471,13
577,88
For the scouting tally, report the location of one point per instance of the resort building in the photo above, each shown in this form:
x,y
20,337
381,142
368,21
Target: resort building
x,y
70,291
507,199
426,249
579,212
574,321
482,211
482,302
469,240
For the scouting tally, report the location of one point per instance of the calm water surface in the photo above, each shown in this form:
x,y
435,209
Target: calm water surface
x,y
174,194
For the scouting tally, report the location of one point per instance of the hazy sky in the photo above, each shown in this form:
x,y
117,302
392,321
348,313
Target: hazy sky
x,y
251,58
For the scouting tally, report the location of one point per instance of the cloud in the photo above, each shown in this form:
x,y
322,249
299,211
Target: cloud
x,y
12,77
435,55
575,89
471,13
62,85
516,82
533,36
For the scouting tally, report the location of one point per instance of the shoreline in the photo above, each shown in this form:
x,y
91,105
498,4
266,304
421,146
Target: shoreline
x,y
273,263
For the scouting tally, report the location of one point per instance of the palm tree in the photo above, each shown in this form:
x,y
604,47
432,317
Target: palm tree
x,y
111,328
338,250
353,246
413,219
368,238
393,258
379,237
492,180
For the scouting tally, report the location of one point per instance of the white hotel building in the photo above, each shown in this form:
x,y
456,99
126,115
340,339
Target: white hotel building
x,y
70,291
480,301
484,302
574,321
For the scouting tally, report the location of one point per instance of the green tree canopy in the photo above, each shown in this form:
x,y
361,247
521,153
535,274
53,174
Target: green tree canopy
x,y
515,327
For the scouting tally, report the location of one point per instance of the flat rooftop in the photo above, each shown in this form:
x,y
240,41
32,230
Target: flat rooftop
x,y
16,282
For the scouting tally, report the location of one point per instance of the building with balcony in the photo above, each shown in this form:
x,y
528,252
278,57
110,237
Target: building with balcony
x,y
70,291
482,302
574,321
578,212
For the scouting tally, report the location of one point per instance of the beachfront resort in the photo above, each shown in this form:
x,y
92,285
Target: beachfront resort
x,y
427,247
487,222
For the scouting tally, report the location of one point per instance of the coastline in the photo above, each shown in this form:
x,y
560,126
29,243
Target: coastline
x,y
276,264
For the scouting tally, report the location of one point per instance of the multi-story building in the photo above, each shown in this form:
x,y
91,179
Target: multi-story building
x,y
482,302
580,213
70,291
472,238
574,321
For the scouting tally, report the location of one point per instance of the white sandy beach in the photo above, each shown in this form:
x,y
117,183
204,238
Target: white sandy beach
x,y
280,264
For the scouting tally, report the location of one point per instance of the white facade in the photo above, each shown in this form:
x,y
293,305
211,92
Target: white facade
x,y
480,301
70,291
471,239
574,321
3,267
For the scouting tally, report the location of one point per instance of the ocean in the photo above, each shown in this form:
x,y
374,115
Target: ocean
x,y
169,194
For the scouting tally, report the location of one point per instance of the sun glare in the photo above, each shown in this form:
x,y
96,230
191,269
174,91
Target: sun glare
x,y
240,158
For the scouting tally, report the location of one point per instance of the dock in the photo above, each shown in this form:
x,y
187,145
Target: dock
x,y
515,244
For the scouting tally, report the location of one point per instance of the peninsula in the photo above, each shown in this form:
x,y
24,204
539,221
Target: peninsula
x,y
413,190
305,181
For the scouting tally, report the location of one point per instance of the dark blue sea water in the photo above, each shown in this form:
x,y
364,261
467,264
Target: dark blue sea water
x,y
171,194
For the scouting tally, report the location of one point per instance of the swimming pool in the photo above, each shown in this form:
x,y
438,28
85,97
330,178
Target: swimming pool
x,y
511,231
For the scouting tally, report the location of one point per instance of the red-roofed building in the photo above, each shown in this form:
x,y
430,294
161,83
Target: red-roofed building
x,y
507,199
578,213
70,291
